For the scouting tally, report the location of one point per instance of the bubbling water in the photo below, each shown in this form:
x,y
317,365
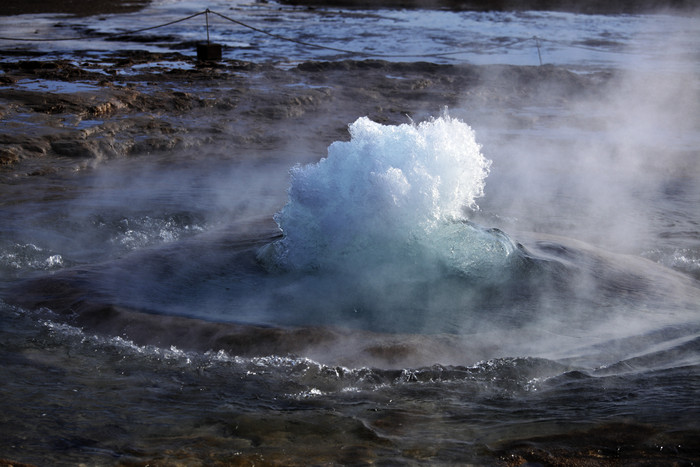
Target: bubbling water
x,y
393,197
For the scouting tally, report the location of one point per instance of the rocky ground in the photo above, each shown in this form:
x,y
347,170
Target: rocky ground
x,y
57,113
74,113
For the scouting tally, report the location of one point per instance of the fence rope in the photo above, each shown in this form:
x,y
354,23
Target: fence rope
x,y
356,52
279,37
288,39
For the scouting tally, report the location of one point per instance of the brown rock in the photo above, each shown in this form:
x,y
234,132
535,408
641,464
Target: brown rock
x,y
8,156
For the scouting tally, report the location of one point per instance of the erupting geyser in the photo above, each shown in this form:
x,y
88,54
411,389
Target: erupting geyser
x,y
376,232
392,195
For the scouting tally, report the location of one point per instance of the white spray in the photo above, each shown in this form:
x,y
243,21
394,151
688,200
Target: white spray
x,y
392,194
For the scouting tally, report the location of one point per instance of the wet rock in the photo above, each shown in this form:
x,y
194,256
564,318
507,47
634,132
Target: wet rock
x,y
8,156
103,108
12,463
76,149
609,444
240,104
152,144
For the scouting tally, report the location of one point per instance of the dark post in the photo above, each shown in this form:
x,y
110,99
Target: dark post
x,y
208,51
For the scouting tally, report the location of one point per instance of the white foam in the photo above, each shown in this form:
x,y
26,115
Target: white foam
x,y
28,256
387,193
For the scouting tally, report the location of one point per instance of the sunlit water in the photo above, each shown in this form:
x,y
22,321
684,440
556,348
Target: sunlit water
x,y
479,282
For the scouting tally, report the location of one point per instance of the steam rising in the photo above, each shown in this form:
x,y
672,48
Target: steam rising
x,y
385,229
595,165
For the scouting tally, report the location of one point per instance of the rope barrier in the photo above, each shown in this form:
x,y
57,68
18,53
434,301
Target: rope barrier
x,y
288,39
276,36
366,54
581,47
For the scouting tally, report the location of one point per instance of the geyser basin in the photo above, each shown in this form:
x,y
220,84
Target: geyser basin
x,y
379,224
377,235
376,238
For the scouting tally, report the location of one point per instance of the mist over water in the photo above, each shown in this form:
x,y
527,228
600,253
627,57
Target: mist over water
x,y
385,234
598,167
380,224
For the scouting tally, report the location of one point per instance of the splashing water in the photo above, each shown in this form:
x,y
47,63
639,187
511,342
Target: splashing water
x,y
376,234
392,195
